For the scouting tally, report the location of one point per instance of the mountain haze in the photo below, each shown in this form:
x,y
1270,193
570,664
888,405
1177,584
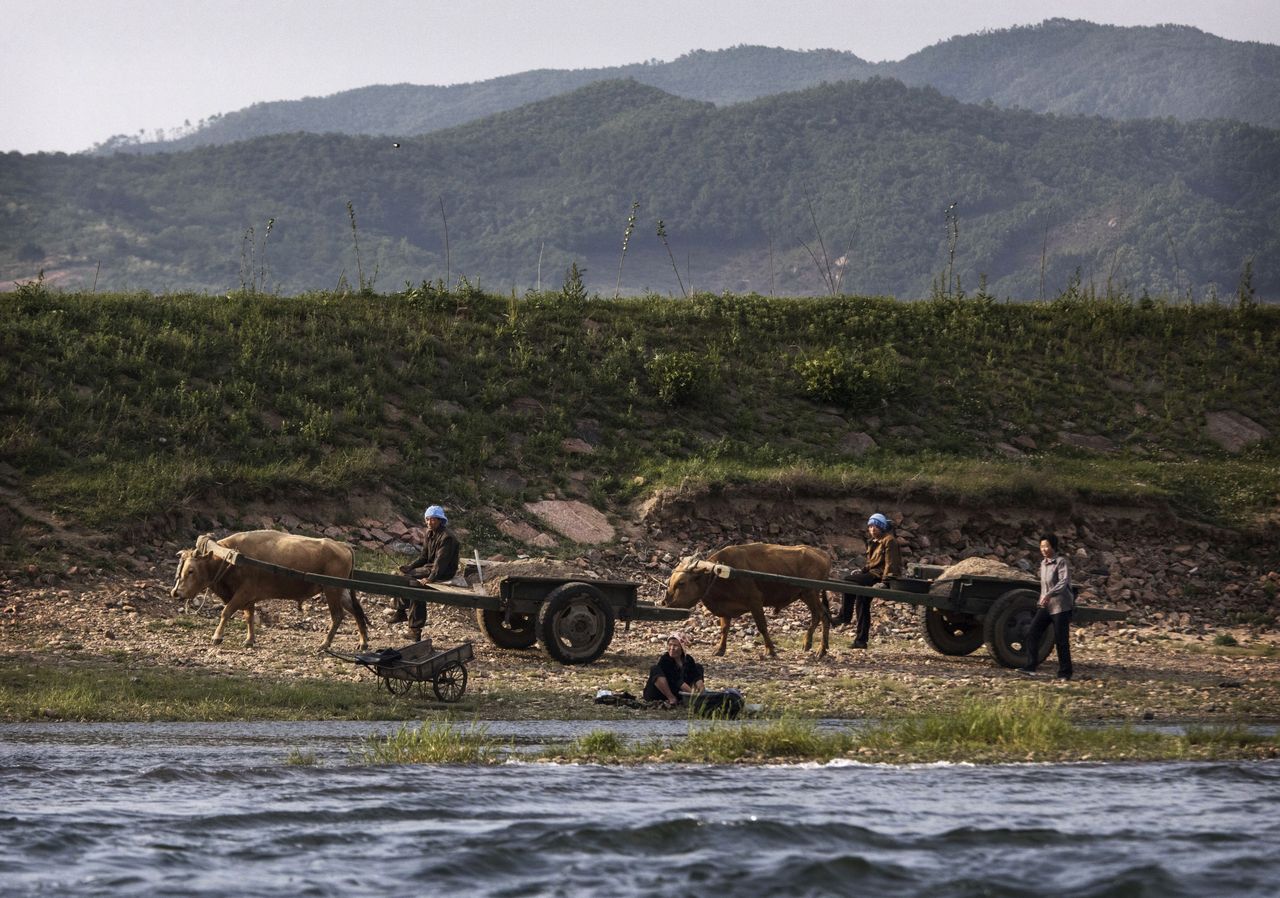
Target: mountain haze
x,y
843,185
1059,66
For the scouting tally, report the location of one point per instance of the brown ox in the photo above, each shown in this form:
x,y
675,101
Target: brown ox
x,y
240,586
693,581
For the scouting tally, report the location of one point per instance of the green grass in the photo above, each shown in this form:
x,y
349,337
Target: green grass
x,y
1025,728
118,408
97,691
436,742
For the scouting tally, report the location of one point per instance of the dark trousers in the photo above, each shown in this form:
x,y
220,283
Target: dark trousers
x,y
1061,638
417,611
860,604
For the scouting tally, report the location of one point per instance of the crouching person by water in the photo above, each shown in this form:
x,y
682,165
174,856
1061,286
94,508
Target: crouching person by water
x,y
1057,600
438,563
675,675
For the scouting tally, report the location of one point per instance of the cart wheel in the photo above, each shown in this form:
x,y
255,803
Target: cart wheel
x,y
522,633
1005,628
450,681
575,623
951,632
397,687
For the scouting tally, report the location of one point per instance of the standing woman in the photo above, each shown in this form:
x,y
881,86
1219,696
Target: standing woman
x,y
1057,599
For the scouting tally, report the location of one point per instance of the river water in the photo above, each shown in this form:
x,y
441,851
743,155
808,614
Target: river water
x,y
214,809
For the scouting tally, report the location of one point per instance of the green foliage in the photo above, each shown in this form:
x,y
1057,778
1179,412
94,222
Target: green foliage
x,y
435,742
741,184
1225,639
676,376
118,408
856,379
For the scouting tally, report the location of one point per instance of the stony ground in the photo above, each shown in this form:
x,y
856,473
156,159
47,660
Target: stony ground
x,y
1153,668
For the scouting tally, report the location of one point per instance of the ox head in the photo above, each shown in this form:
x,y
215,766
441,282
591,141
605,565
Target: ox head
x,y
689,582
197,569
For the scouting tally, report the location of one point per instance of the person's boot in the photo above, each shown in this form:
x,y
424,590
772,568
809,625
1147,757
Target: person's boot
x,y
415,634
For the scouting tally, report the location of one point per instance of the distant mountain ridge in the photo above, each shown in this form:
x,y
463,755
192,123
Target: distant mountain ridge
x,y
1059,66
837,188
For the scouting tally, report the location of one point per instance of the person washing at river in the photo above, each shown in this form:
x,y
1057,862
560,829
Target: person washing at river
x,y
884,560
676,675
1057,600
438,563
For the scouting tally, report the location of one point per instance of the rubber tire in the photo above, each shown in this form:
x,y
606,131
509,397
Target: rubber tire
x,y
1005,627
450,681
951,632
397,687
575,623
522,634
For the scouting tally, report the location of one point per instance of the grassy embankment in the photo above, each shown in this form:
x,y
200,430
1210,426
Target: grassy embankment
x,y
119,408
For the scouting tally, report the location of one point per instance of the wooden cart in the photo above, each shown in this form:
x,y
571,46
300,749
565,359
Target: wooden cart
x,y
958,616
573,618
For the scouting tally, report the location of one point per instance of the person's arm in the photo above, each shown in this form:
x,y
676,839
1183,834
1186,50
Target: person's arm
x,y
693,676
892,560
1059,581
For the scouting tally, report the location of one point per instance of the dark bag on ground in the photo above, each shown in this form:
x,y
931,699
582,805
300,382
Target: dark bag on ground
x,y
727,703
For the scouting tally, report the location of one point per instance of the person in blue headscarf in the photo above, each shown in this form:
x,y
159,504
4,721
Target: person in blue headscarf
x,y
438,563
884,560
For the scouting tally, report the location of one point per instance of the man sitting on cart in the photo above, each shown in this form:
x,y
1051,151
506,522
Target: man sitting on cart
x,y
437,563
676,675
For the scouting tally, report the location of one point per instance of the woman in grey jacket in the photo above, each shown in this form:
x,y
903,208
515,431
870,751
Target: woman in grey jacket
x,y
1057,599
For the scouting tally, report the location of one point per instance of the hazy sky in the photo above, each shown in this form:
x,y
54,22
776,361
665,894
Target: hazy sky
x,y
78,71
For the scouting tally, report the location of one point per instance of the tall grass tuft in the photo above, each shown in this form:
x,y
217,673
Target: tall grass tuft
x,y
435,742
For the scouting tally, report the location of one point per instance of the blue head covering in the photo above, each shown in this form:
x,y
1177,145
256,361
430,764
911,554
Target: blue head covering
x,y
435,511
879,520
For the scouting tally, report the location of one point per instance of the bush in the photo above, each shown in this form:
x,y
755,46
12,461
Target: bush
x,y
852,378
675,376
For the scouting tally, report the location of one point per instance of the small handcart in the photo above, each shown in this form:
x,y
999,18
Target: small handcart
x,y
420,663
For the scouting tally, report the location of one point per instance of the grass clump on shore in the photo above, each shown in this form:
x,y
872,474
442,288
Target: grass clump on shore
x,y
35,690
435,742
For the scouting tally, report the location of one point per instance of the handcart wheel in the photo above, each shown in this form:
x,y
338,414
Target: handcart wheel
x,y
397,687
450,681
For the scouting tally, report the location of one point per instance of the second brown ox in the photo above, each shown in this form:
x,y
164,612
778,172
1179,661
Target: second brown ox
x,y
241,586
693,581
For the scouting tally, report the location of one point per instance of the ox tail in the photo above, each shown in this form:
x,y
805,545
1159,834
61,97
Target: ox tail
x,y
352,604
826,608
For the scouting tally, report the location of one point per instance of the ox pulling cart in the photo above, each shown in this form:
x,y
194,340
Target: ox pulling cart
x,y
959,615
574,619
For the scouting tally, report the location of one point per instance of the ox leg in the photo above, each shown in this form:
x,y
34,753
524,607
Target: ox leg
x,y
249,614
817,612
236,603
334,598
724,635
758,614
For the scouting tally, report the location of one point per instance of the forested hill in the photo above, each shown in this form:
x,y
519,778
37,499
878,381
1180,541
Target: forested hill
x,y
1078,67
1057,66
838,188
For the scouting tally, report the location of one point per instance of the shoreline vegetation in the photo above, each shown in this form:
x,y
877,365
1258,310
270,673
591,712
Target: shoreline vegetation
x,y
964,728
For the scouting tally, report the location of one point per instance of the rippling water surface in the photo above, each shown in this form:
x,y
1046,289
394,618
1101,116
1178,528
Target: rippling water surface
x,y
183,809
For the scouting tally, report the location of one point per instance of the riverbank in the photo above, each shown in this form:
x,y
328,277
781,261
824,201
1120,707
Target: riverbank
x,y
105,648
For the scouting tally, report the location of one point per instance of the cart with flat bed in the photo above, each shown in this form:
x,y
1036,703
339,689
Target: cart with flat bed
x,y
959,615
573,618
